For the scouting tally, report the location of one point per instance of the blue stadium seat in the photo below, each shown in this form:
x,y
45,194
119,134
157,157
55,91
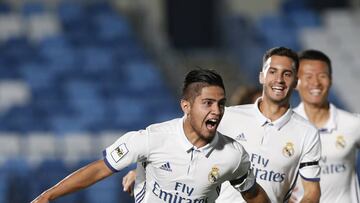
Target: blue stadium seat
x,y
96,60
71,12
143,78
47,174
32,8
111,27
17,173
37,75
304,18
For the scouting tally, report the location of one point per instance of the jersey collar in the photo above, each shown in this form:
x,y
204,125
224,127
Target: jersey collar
x,y
207,149
330,124
278,124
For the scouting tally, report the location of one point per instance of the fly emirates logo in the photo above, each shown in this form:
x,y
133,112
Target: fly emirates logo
x,y
183,194
259,166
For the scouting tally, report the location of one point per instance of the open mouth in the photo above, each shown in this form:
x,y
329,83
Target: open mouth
x,y
212,123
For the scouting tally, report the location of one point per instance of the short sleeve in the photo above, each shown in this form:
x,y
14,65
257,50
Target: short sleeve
x,y
309,164
244,177
128,149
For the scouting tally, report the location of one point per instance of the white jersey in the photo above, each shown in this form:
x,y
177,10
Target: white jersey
x,y
340,140
177,171
279,151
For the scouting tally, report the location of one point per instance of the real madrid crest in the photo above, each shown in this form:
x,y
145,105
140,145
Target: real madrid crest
x,y
288,150
214,174
340,142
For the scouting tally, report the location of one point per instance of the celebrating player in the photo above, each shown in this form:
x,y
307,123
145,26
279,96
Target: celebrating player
x,y
339,130
187,159
281,144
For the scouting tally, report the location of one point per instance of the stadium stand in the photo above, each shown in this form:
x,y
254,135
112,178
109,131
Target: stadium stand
x,y
73,78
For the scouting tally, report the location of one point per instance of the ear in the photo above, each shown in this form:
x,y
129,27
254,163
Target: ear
x,y
185,106
261,78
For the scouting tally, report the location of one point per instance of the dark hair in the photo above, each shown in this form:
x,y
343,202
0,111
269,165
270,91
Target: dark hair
x,y
282,51
312,54
197,79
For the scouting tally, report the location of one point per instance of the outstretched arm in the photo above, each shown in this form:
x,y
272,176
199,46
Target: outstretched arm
x,y
80,179
255,194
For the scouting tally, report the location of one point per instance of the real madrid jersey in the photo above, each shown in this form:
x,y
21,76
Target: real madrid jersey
x,y
279,151
340,138
177,171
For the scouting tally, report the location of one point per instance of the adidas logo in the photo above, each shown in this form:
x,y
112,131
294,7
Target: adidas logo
x,y
241,137
166,167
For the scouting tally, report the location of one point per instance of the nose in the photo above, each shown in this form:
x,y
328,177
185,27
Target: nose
x,y
279,78
216,109
315,81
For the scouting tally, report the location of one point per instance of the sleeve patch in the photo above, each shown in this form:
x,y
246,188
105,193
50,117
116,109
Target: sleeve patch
x,y
119,152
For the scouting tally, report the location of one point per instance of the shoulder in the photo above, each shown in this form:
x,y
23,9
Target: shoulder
x,y
229,143
164,129
239,108
239,111
349,120
301,124
167,126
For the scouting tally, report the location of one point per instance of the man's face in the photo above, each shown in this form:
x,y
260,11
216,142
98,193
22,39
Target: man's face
x,y
278,79
314,82
205,111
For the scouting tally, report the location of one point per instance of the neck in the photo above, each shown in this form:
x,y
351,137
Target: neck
x,y
192,135
271,110
317,114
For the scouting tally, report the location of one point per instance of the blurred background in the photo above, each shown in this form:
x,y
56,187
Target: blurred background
x,y
75,75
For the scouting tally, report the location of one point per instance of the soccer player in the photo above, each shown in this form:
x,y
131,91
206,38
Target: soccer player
x,y
187,159
339,130
281,144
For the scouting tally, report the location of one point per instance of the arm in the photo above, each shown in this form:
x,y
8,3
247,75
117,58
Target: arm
x,y
311,191
255,194
80,179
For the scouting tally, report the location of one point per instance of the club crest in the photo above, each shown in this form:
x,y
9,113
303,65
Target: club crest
x,y
288,150
214,174
340,142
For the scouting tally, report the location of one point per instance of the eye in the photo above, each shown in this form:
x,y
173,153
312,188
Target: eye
x,y
208,102
288,74
323,76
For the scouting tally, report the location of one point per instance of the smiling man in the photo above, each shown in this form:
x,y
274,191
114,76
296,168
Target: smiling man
x,y
186,158
281,144
339,130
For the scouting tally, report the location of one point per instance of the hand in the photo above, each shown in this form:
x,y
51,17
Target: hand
x,y
129,181
293,197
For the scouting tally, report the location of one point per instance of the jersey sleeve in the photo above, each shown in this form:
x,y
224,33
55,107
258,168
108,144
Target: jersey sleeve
x,y
244,178
129,148
309,164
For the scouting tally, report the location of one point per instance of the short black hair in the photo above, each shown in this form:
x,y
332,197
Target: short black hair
x,y
282,51
199,78
312,54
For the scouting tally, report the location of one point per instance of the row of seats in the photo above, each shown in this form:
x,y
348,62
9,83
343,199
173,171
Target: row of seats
x,y
88,74
73,77
17,176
